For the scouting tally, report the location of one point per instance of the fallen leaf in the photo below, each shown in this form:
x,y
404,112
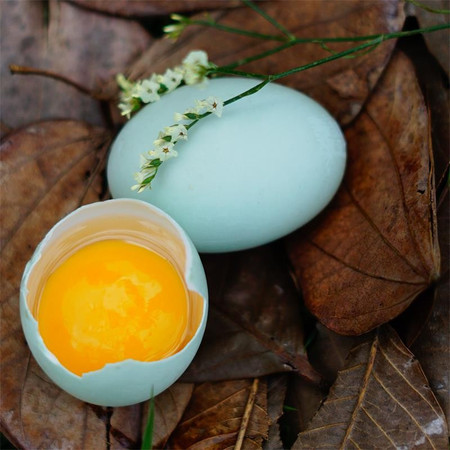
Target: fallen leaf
x,y
276,394
86,47
169,408
254,326
380,399
435,87
432,346
328,351
213,418
438,43
146,8
47,170
342,86
375,248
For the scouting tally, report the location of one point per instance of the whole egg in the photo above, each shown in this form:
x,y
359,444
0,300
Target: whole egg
x,y
270,164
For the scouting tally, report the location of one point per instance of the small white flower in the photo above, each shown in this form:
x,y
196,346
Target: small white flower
x,y
127,104
176,132
147,91
211,104
174,30
178,117
171,79
195,66
123,83
163,150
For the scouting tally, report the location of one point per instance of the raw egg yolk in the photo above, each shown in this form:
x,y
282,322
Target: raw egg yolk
x,y
111,301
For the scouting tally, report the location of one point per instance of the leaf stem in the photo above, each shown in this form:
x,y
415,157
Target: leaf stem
x,y
23,70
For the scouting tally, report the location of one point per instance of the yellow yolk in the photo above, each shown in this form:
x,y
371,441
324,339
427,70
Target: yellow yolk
x,y
111,301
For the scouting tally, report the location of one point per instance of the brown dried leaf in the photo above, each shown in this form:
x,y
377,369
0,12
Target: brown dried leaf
x,y
48,169
86,47
145,8
169,408
254,325
374,249
276,393
381,400
438,43
342,86
432,348
214,416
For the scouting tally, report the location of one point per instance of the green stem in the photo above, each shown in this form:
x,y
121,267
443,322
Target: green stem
x,y
374,40
254,34
428,8
270,19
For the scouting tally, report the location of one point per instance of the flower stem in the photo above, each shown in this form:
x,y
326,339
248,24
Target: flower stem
x,y
428,8
254,34
373,40
270,19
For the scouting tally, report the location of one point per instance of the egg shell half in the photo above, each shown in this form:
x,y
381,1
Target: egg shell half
x,y
270,164
126,382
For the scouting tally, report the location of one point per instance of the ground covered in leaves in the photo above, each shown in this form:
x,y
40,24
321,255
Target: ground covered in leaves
x,y
336,336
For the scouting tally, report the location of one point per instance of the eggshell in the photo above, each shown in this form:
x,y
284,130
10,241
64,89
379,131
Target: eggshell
x,y
266,167
126,382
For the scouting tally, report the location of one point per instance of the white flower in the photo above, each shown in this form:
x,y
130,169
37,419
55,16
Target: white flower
x,y
176,132
178,117
174,30
123,83
147,91
211,104
127,104
171,79
195,66
163,150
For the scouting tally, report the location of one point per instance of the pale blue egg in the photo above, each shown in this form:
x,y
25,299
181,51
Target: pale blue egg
x,y
270,164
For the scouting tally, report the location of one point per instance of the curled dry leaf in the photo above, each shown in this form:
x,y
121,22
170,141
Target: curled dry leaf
x,y
438,43
48,169
86,47
146,8
375,248
276,393
254,325
342,86
433,345
215,414
381,399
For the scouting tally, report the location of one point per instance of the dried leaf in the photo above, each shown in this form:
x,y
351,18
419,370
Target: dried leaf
x,y
329,350
48,169
381,400
169,408
254,325
86,47
432,347
146,8
435,88
276,393
342,86
438,43
213,417
374,249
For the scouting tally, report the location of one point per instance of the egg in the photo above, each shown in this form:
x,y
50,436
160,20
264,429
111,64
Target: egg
x,y
270,164
91,236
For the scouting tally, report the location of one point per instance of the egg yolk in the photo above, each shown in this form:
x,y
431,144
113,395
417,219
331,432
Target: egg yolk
x,y
111,301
